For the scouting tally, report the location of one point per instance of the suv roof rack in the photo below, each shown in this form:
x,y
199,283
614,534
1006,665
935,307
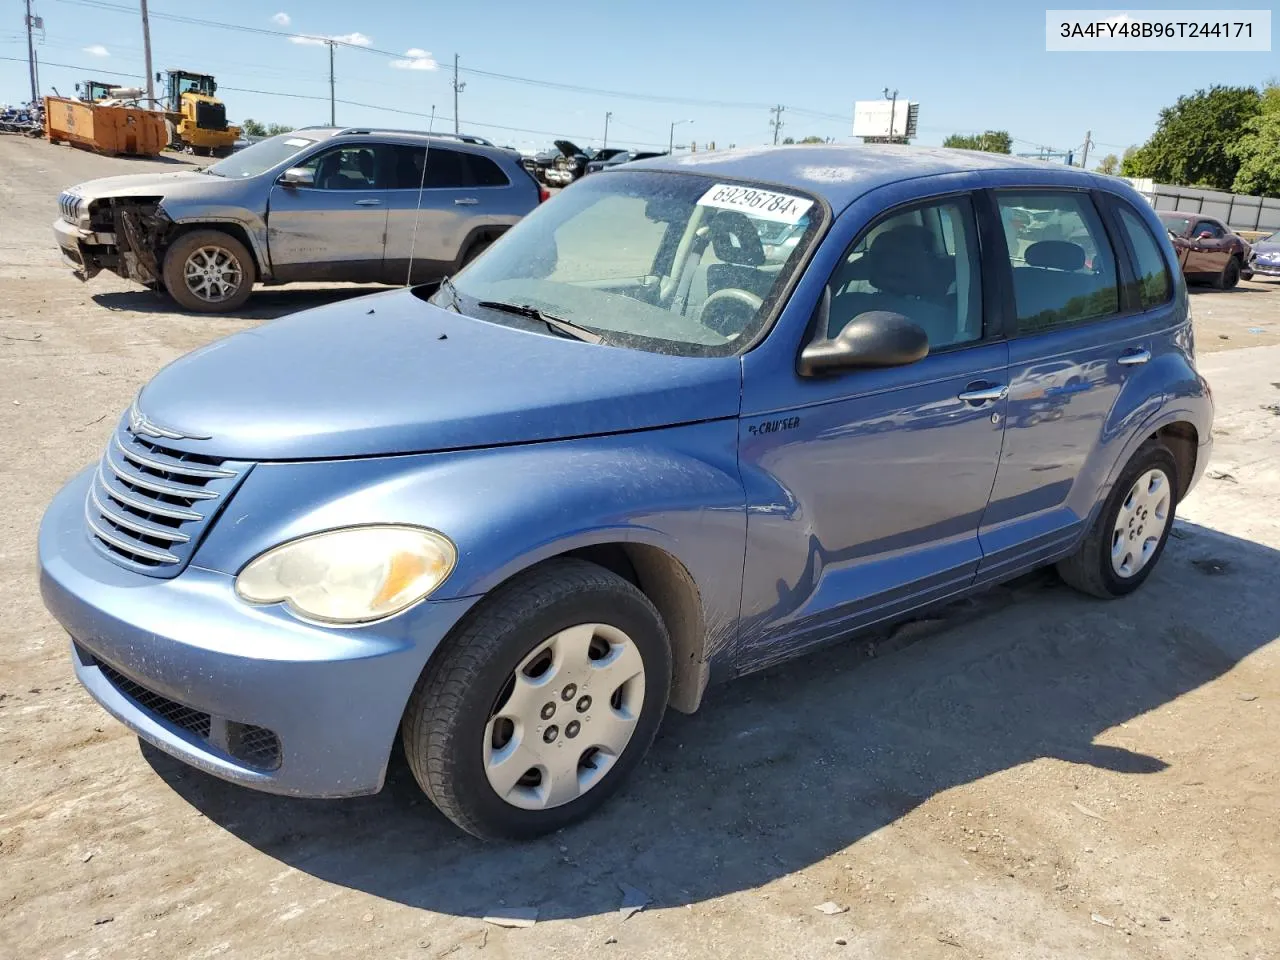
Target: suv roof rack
x,y
462,137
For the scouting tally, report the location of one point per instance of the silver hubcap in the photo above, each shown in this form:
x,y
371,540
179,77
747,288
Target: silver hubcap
x,y
213,274
564,717
1140,525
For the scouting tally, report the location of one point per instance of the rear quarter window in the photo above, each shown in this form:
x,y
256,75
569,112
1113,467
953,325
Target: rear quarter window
x,y
1155,283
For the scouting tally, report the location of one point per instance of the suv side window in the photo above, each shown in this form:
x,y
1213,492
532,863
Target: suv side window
x,y
352,167
483,172
922,263
446,169
1207,225
1155,283
1064,270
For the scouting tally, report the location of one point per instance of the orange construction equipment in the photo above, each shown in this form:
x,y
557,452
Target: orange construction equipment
x,y
113,130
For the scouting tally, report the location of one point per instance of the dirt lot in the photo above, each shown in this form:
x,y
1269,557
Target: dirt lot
x,y
1039,776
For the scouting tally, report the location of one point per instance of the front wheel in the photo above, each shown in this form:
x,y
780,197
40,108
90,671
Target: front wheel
x,y
1131,530
209,271
541,703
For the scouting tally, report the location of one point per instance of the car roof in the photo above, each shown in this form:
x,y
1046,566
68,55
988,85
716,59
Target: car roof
x,y
842,173
469,140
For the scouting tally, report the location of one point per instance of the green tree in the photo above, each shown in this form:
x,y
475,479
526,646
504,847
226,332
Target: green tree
x,y
992,141
788,141
1194,139
1258,149
252,128
1109,165
813,140
275,129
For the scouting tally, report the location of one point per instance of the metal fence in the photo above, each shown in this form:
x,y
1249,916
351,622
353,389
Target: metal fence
x,y
1238,211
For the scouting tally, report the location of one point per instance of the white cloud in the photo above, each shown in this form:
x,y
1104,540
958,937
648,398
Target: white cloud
x,y
356,39
282,19
416,59
97,50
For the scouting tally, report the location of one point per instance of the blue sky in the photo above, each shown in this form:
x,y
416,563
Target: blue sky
x,y
970,69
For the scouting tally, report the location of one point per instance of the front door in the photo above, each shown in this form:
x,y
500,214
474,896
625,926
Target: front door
x,y
335,228
866,491
1209,251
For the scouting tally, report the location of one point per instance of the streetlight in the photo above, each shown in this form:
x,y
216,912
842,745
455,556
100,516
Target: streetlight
x,y
671,141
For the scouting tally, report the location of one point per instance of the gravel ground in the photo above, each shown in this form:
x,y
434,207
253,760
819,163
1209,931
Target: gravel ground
x,y
1033,775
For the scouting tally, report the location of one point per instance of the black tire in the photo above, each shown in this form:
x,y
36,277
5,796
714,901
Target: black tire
x,y
1230,275
473,251
1089,569
175,260
444,723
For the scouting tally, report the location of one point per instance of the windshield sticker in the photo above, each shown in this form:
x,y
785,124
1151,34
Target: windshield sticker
x,y
763,204
297,142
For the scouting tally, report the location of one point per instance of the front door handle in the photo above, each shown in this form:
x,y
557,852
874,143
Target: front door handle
x,y
466,201
996,391
371,202
1132,358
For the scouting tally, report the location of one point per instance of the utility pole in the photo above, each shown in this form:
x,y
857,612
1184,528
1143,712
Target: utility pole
x,y
457,89
1084,156
893,109
146,54
608,115
31,55
776,122
333,104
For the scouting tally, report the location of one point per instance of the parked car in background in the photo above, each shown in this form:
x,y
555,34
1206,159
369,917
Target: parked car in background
x,y
631,450
313,204
617,158
1265,259
1208,251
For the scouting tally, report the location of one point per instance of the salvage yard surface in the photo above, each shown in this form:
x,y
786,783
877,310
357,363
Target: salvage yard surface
x,y
1034,774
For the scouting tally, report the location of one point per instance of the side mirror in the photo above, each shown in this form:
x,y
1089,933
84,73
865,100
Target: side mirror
x,y
297,177
1204,235
874,339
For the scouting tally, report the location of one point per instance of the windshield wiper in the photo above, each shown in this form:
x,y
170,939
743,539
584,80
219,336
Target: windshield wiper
x,y
555,324
447,287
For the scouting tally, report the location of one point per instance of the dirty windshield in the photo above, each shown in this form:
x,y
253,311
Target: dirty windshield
x,y
260,157
667,262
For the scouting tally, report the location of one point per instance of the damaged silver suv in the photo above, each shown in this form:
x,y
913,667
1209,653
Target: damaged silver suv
x,y
319,204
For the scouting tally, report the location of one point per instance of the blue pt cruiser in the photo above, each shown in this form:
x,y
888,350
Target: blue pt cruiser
x,y
688,419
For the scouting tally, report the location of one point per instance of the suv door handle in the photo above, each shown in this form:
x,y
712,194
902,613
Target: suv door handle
x,y
371,202
466,201
979,394
1131,358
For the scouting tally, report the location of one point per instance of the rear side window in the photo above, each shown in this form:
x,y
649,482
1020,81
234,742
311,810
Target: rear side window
x,y
1064,270
1155,284
483,172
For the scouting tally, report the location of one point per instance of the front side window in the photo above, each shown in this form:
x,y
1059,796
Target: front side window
x,y
1155,284
669,262
923,264
1064,270
344,168
1209,227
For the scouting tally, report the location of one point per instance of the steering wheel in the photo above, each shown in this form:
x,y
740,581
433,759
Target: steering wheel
x,y
728,311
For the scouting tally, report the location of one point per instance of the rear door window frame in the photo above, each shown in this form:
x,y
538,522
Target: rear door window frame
x,y
1111,204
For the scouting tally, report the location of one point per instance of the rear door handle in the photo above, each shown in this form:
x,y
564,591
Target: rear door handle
x,y
368,203
996,391
1132,358
466,201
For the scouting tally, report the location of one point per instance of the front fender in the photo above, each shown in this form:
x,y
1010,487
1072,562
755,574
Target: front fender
x,y
507,508
251,221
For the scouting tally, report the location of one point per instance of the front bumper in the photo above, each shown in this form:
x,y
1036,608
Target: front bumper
x,y
1260,269
149,649
77,246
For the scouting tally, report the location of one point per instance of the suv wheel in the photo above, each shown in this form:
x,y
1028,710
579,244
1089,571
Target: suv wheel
x,y
209,271
1230,275
1131,530
541,703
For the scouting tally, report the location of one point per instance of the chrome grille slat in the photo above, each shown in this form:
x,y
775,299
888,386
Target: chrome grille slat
x,y
154,485
137,526
148,504
145,506
167,465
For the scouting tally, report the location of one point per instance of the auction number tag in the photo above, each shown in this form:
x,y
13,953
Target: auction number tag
x,y
764,204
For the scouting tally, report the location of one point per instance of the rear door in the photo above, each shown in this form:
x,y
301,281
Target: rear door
x,y
1078,333
335,228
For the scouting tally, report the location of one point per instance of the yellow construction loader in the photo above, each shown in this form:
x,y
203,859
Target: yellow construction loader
x,y
197,120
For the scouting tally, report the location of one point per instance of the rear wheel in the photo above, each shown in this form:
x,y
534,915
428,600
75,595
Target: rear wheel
x,y
209,271
1230,275
1131,530
541,703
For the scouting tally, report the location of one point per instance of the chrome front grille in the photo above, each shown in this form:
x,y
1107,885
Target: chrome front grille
x,y
148,505
69,206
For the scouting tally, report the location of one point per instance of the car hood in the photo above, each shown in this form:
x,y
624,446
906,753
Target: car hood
x,y
392,374
1267,247
146,185
569,148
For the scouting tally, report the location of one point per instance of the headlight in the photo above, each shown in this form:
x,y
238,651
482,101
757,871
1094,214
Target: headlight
x,y
350,576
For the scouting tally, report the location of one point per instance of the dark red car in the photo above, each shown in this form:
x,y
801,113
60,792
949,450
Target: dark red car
x,y
1207,249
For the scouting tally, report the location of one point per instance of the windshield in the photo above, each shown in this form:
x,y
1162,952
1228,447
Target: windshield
x,y
1175,223
668,262
261,156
